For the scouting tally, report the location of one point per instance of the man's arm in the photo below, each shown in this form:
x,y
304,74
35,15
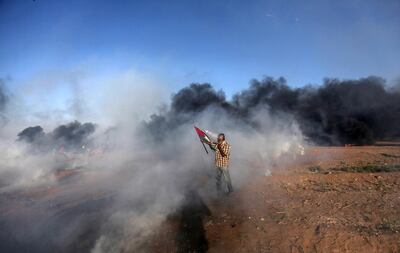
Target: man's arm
x,y
223,149
212,145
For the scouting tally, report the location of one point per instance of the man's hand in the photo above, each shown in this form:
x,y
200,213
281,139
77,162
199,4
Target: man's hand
x,y
207,142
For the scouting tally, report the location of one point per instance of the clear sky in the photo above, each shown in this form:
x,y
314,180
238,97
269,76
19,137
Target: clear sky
x,y
223,42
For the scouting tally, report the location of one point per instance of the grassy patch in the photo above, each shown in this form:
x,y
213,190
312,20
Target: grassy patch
x,y
390,155
324,187
369,168
279,217
389,225
315,169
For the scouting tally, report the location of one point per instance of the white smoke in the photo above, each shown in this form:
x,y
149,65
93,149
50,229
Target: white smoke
x,y
164,171
150,179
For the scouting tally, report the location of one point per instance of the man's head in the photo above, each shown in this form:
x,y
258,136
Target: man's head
x,y
221,137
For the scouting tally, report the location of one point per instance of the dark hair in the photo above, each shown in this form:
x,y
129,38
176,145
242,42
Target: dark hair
x,y
222,135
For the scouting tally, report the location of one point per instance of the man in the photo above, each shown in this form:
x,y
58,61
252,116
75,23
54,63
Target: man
x,y
222,155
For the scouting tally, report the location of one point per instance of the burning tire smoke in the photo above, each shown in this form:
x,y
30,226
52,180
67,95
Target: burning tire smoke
x,y
69,136
338,112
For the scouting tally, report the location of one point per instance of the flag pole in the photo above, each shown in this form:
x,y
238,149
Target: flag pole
x,y
204,146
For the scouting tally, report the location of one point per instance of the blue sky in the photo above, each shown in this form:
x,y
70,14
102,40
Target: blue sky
x,y
225,43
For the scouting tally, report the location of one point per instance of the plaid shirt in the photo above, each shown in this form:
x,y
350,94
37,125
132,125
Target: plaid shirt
x,y
222,161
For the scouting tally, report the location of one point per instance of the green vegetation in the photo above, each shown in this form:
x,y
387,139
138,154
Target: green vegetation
x,y
390,155
315,169
389,225
370,168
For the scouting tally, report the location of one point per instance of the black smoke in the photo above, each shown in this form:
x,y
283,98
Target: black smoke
x,y
185,105
337,112
31,134
69,136
73,134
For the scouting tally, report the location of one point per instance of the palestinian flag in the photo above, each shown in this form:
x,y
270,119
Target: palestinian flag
x,y
203,137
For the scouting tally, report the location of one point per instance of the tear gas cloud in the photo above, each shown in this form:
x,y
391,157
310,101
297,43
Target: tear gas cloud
x,y
148,166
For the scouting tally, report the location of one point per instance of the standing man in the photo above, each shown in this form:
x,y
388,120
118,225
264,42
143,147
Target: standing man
x,y
222,155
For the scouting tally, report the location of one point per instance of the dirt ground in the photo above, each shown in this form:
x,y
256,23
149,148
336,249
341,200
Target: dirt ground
x,y
332,199
310,205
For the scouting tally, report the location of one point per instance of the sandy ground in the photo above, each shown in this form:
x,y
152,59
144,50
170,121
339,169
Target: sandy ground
x,y
304,206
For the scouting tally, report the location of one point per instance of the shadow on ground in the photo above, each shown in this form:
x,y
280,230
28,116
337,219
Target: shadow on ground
x,y
191,234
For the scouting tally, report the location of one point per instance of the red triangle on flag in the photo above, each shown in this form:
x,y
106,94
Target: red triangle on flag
x,y
199,132
203,137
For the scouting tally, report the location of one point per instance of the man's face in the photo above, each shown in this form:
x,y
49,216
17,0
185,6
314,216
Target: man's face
x,y
220,138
